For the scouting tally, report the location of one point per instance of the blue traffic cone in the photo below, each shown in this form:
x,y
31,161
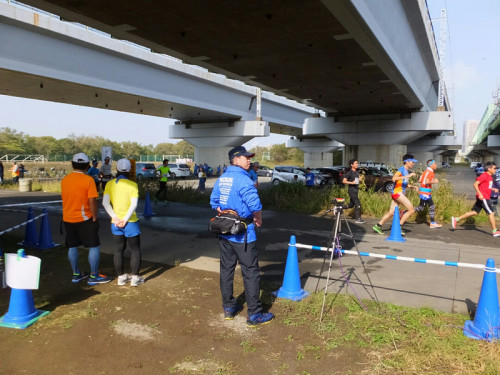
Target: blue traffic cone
x,y
22,312
396,228
45,238
30,235
487,318
148,211
291,288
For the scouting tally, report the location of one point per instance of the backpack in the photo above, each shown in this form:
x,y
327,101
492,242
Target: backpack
x,y
228,222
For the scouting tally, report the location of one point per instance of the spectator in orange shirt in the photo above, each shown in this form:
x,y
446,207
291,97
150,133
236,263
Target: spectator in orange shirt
x,y
79,196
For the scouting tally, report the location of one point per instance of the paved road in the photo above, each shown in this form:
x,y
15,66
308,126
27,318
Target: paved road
x,y
178,233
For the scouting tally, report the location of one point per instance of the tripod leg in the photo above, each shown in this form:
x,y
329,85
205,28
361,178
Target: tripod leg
x,y
335,237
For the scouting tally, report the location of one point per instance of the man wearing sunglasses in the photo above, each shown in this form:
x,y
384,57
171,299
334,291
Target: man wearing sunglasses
x,y
482,185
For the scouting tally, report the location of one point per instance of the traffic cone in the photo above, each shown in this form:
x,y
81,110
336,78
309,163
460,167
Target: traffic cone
x,y
45,238
148,211
291,288
396,228
22,312
487,318
30,236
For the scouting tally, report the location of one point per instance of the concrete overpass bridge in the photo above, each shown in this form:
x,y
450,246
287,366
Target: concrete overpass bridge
x,y
486,141
359,72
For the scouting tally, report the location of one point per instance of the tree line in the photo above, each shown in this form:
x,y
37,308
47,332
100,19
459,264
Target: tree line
x,y
14,142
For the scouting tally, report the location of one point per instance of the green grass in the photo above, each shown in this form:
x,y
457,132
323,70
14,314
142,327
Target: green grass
x,y
398,340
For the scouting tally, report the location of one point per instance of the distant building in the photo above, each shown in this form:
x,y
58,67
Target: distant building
x,y
470,127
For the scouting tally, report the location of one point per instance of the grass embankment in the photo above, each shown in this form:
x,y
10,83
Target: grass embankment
x,y
396,340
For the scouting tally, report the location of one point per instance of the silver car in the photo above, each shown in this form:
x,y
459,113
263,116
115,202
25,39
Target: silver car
x,y
286,173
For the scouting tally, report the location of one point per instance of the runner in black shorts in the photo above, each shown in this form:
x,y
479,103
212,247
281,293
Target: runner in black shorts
x,y
483,192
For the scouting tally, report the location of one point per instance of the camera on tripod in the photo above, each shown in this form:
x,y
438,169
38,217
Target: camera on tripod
x,y
339,204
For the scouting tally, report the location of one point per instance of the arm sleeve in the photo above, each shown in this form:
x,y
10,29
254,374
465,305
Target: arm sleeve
x,y
131,209
215,196
106,203
251,198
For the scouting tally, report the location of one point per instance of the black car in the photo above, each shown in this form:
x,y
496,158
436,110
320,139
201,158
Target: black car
x,y
332,176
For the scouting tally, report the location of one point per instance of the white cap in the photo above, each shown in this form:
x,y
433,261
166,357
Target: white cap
x,y
123,165
80,158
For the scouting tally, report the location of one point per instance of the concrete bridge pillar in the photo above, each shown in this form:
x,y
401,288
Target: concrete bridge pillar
x,y
423,156
317,152
379,138
213,140
387,154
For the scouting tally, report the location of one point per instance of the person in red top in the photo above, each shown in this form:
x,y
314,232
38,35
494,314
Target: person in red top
x,y
483,191
79,201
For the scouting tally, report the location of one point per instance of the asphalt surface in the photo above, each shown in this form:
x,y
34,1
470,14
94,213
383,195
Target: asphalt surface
x,y
178,233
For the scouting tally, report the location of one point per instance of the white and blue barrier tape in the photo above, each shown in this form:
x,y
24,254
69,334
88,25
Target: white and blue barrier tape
x,y
396,257
22,224
28,204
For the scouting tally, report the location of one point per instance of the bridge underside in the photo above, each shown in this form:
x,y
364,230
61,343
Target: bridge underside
x,y
321,52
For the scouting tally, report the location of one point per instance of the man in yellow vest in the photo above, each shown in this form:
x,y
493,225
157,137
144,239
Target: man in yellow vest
x,y
164,171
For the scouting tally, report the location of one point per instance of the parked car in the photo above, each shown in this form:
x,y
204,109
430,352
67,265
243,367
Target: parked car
x,y
333,176
474,164
380,166
377,178
445,165
286,173
264,171
479,169
179,170
145,170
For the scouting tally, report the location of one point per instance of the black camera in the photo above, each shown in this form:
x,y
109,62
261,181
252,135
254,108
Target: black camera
x,y
339,202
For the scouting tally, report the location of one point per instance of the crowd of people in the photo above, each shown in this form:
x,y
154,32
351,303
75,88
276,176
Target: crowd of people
x,y
487,192
235,189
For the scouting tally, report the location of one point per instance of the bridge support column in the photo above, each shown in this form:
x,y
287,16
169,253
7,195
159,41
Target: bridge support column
x,y
213,141
317,152
387,154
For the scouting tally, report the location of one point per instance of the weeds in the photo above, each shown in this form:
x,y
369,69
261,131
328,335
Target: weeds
x,y
401,340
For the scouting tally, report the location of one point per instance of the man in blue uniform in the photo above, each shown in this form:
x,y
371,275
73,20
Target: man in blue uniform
x,y
235,190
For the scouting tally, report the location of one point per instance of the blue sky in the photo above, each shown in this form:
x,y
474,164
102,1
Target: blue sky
x,y
472,75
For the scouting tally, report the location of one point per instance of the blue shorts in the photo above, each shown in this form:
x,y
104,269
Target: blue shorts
x,y
129,230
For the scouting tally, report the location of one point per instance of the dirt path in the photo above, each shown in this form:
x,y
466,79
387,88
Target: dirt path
x,y
171,324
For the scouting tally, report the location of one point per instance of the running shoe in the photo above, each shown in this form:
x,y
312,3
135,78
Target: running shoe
x,y
434,225
377,228
403,233
137,280
454,222
77,277
259,319
496,233
124,279
231,312
360,221
97,278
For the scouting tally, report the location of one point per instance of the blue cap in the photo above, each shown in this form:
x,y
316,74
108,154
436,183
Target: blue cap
x,y
239,151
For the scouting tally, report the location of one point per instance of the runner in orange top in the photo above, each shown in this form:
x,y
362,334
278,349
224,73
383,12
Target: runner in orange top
x,y
400,178
426,182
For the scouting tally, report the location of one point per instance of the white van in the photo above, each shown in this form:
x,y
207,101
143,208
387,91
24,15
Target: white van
x,y
179,170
